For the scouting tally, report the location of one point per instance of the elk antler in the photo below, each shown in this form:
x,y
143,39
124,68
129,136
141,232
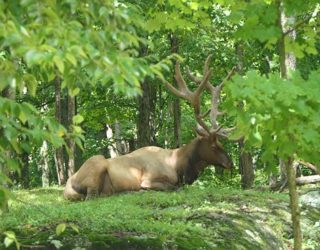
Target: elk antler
x,y
215,98
194,97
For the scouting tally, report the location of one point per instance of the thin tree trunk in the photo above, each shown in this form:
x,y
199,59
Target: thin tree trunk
x,y
5,171
245,159
294,204
44,164
25,178
287,63
246,166
132,145
59,154
112,146
10,94
174,41
117,138
71,142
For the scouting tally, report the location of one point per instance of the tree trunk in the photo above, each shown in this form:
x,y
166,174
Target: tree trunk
x,y
246,167
145,121
294,204
176,101
44,164
112,146
4,170
245,159
71,142
9,93
120,149
25,170
59,154
287,63
146,110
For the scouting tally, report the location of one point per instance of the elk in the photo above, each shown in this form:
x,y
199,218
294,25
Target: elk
x,y
153,167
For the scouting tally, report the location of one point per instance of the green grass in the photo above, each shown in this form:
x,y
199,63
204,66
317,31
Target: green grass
x,y
190,218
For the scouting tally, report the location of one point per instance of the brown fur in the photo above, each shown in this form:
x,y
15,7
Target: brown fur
x,y
146,168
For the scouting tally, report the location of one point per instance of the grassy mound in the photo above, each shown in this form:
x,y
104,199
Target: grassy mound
x,y
190,218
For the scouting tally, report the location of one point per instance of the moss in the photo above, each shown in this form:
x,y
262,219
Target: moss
x,y
190,218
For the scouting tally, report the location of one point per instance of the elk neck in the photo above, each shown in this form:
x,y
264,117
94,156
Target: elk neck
x,y
189,163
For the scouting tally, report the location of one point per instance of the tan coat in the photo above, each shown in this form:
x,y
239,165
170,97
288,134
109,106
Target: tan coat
x,y
146,168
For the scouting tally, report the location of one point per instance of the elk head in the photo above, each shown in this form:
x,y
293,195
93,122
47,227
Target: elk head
x,y
209,148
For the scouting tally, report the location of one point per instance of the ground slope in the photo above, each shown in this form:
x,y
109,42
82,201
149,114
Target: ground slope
x,y
190,218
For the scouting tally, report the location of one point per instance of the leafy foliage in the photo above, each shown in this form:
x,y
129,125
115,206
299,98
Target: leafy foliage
x,y
279,115
82,43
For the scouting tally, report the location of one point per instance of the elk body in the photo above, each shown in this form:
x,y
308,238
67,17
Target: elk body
x,y
146,168
153,167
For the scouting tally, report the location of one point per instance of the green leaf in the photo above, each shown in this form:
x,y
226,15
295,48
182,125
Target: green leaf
x,y
77,129
23,116
75,228
74,92
10,238
13,164
8,241
33,57
77,119
60,228
59,63
78,50
71,59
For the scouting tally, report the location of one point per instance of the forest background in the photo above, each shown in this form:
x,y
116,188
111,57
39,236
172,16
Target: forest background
x,y
80,78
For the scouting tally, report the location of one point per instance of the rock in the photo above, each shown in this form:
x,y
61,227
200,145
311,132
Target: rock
x,y
311,198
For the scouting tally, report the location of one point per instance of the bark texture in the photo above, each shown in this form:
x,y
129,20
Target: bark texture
x,y
44,165
71,143
245,158
287,64
294,205
59,154
176,102
146,111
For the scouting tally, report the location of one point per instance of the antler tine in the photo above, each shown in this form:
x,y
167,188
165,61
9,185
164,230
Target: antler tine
x,y
182,91
207,64
197,80
194,97
203,83
197,103
174,90
214,113
227,77
206,113
180,81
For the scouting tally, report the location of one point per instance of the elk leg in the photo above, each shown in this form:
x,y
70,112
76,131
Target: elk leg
x,y
92,193
157,185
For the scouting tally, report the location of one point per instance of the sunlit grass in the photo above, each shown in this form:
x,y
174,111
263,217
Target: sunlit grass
x,y
251,219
